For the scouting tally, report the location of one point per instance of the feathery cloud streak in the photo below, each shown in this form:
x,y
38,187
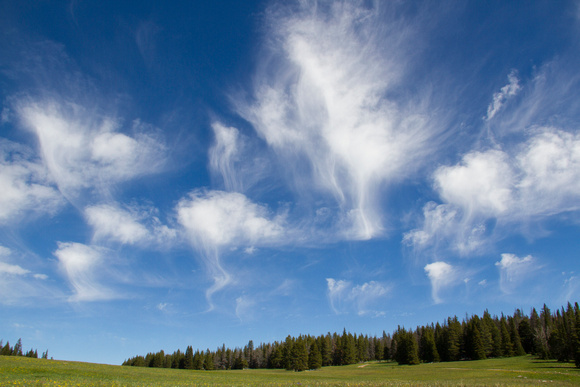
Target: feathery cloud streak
x,y
441,275
85,151
345,297
26,185
321,104
215,220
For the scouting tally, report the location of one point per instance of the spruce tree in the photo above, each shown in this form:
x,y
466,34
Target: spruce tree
x,y
427,348
299,355
314,357
506,342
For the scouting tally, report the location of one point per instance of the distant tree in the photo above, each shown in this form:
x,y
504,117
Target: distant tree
x,y
208,363
314,357
473,344
188,358
6,350
506,342
198,360
427,348
299,355
17,351
407,349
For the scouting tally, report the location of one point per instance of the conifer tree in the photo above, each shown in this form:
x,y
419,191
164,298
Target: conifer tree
x,y
299,355
188,359
506,342
314,357
427,348
473,344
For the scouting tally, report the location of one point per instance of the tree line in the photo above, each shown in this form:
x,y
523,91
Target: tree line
x,y
546,335
17,350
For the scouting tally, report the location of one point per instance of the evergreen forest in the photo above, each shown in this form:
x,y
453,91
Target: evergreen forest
x,y
17,350
546,335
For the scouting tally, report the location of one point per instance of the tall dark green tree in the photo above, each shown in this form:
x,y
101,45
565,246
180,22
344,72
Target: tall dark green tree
x,y
427,348
314,357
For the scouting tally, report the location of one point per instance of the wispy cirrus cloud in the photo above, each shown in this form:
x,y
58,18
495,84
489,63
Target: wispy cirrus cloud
x,y
501,97
85,151
442,275
215,220
513,270
538,180
321,103
344,297
26,185
130,226
83,266
528,173
18,284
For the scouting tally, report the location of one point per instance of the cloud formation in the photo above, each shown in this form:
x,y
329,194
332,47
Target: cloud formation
x,y
86,151
81,265
214,220
344,297
442,275
514,270
26,186
539,179
320,102
507,92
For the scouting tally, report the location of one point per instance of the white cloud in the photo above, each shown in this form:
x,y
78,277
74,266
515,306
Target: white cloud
x,y
441,275
6,268
85,150
224,154
481,184
345,297
320,105
507,92
81,264
514,270
550,164
111,222
16,286
25,185
216,219
540,178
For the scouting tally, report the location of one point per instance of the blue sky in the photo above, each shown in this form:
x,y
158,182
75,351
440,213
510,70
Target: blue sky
x,y
214,172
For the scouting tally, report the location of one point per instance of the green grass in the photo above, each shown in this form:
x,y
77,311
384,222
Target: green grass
x,y
518,371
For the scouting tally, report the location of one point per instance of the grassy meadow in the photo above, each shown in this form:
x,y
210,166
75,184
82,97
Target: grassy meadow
x,y
515,371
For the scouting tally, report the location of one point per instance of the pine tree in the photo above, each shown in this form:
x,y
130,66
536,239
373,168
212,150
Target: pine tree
x,y
314,357
208,363
473,344
188,359
427,348
506,343
6,350
299,355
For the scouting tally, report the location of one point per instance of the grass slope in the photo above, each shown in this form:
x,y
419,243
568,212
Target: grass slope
x,y
518,371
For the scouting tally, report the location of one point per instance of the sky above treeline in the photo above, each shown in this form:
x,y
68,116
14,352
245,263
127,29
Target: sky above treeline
x,y
199,173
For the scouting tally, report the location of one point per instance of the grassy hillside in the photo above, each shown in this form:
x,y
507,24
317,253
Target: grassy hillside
x,y
518,371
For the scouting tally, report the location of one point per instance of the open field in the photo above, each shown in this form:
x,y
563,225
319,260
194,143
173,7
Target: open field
x,y
518,371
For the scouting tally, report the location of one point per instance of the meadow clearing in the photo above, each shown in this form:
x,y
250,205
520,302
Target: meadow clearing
x,y
515,371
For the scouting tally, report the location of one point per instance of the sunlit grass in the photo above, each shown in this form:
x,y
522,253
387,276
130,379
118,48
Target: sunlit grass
x,y
519,371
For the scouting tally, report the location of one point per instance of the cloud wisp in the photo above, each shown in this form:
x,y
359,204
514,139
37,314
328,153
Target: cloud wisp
x,y
507,92
216,220
344,297
320,103
518,181
86,152
514,270
442,275
26,185
82,264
